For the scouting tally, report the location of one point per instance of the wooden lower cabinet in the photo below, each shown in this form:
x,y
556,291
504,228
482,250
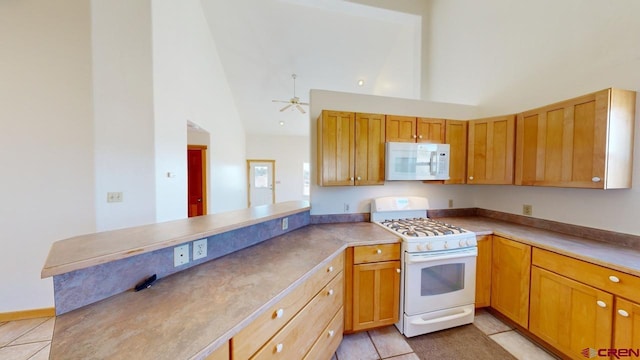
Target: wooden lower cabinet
x,y
291,327
627,324
372,286
329,340
569,315
510,275
221,353
483,271
376,294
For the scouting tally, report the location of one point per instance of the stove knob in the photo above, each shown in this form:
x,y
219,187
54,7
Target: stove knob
x,y
464,243
429,246
420,247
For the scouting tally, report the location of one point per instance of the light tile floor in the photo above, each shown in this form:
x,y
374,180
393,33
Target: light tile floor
x,y
26,339
388,343
31,340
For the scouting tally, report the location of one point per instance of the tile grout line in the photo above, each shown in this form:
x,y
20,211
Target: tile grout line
x,y
374,345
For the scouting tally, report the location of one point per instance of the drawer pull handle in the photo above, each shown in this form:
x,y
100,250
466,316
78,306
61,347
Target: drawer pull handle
x,y
398,271
379,251
279,348
595,179
614,279
330,292
330,269
601,303
623,313
279,313
331,333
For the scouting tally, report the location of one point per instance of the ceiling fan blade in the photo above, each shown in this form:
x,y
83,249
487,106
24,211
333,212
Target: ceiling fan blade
x,y
286,107
281,101
303,103
300,108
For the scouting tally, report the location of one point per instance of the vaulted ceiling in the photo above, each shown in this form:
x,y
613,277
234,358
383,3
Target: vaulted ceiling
x,y
329,44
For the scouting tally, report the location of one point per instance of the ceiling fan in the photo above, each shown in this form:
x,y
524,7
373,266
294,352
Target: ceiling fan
x,y
294,101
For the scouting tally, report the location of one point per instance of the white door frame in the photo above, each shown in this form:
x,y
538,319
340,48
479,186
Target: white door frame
x,y
273,179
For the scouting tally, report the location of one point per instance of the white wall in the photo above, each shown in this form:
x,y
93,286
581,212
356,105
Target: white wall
x,y
289,152
46,141
123,112
331,200
190,84
510,56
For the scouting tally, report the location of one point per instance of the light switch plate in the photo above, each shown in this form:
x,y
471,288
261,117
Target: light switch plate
x,y
180,255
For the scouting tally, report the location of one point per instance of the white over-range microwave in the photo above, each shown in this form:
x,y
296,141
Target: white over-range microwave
x,y
417,161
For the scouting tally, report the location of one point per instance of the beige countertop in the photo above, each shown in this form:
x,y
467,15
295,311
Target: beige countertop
x,y
93,249
616,257
189,314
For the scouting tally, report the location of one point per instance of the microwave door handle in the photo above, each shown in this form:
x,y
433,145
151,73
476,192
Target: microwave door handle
x,y
433,164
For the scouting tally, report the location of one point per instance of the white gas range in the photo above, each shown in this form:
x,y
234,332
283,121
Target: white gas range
x,y
438,266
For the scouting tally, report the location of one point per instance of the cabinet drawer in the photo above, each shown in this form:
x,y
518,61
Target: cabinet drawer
x,y
375,253
329,339
296,338
615,282
252,337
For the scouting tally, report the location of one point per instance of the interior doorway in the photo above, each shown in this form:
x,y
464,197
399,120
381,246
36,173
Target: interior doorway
x,y
197,180
261,175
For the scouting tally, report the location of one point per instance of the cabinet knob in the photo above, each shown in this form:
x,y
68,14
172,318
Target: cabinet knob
x,y
358,178
331,333
378,251
414,136
398,271
279,313
595,179
614,279
330,292
279,347
351,178
420,137
623,313
470,177
601,303
330,269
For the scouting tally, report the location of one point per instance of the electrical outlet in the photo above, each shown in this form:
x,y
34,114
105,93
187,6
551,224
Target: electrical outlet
x,y
346,207
450,203
527,210
114,197
180,255
285,223
199,249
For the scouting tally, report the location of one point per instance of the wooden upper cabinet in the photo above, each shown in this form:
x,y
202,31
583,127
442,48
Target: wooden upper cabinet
x,y
586,142
336,148
412,129
351,148
456,137
490,151
370,149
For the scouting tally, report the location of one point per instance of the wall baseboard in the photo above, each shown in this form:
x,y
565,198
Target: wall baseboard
x,y
27,314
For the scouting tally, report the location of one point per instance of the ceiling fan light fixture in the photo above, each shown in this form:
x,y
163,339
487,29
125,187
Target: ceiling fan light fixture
x,y
294,102
361,82
281,123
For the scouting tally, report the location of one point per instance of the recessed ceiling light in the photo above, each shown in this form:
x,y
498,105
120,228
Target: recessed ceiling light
x,y
360,82
281,123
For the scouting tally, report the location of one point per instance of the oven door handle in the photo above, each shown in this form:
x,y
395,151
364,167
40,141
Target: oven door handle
x,y
419,321
415,259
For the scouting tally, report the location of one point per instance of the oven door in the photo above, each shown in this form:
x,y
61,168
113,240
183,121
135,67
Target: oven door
x,y
439,280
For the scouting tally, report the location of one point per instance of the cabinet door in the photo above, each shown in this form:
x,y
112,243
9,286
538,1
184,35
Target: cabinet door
x,y
491,150
456,137
627,328
569,315
510,270
400,128
370,150
376,294
566,144
483,272
430,130
336,148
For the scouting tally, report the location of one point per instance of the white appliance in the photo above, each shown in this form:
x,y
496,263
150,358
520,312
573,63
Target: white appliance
x,y
438,268
417,161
